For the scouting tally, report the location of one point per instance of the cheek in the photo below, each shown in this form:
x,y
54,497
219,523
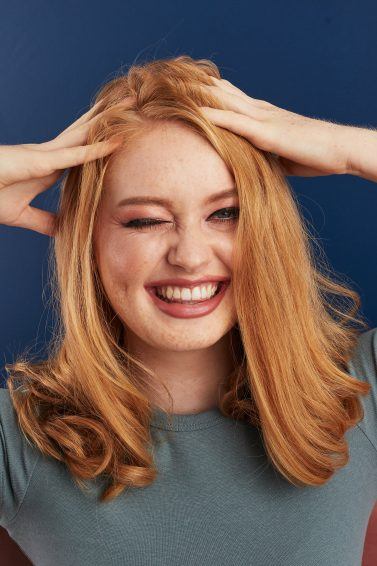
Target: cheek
x,y
124,262
224,250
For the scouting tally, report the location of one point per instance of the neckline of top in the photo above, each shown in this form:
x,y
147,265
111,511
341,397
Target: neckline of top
x,y
186,422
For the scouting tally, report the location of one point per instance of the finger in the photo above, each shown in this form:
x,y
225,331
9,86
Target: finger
x,y
231,101
26,191
78,134
37,163
83,117
244,105
80,127
126,102
62,158
70,137
16,199
38,220
240,124
227,86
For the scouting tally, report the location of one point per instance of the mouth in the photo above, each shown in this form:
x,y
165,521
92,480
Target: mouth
x,y
221,286
189,308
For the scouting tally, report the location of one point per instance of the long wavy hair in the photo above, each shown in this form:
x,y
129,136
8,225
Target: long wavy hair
x,y
85,405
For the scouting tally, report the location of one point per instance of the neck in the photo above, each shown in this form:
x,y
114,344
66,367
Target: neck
x,y
194,378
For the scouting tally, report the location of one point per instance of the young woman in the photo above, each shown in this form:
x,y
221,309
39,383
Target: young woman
x,y
203,398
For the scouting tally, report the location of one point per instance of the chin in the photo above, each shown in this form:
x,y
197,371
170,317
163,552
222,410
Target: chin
x,y
185,339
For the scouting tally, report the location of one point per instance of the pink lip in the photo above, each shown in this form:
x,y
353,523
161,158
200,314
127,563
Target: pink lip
x,y
181,310
181,282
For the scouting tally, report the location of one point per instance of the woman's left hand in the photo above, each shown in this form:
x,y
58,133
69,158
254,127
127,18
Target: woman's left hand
x,y
304,146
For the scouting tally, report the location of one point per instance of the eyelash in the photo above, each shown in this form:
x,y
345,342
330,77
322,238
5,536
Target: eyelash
x,y
150,223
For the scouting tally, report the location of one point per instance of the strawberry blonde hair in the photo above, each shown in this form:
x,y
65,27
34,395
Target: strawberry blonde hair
x,y
85,405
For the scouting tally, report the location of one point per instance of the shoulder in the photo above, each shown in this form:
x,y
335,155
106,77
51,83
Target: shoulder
x,y
363,366
11,433
17,459
364,356
7,413
5,401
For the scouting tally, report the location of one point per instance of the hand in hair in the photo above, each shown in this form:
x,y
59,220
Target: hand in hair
x,y
304,146
29,169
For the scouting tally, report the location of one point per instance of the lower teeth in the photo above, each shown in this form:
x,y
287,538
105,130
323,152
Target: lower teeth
x,y
183,302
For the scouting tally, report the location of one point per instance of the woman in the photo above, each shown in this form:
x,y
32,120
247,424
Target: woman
x,y
205,359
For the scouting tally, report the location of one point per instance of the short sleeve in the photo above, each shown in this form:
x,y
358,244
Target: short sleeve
x,y
17,461
363,365
3,464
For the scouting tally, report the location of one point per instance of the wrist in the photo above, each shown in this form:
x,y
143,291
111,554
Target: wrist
x,y
361,151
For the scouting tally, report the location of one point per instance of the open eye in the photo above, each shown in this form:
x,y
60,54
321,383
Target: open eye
x,y
232,211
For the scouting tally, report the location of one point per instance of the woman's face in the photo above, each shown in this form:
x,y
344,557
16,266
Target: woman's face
x,y
193,241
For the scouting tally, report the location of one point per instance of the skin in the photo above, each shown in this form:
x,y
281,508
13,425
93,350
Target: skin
x,y
307,147
192,356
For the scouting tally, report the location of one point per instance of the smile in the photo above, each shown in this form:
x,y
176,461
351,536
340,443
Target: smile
x,y
173,294
180,307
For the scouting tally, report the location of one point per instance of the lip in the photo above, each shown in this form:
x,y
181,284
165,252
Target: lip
x,y
189,283
181,310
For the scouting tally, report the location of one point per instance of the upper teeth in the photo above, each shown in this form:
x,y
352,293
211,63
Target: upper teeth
x,y
186,294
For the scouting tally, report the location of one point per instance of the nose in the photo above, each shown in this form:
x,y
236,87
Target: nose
x,y
190,250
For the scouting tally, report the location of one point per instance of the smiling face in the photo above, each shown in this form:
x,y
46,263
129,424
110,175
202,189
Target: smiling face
x,y
194,241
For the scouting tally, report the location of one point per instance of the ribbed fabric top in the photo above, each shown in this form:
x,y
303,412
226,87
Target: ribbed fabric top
x,y
217,499
184,422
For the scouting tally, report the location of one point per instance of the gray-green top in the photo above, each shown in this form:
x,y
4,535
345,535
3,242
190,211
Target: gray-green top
x,y
217,500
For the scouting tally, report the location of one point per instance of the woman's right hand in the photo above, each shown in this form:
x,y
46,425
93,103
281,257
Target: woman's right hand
x,y
29,169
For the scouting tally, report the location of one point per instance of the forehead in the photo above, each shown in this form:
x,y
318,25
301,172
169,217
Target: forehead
x,y
169,157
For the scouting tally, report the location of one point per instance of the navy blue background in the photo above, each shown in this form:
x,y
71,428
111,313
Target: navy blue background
x,y
318,58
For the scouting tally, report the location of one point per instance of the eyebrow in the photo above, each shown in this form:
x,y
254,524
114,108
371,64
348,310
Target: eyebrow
x,y
140,199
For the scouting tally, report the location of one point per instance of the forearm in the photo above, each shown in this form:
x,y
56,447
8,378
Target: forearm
x,y
362,153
